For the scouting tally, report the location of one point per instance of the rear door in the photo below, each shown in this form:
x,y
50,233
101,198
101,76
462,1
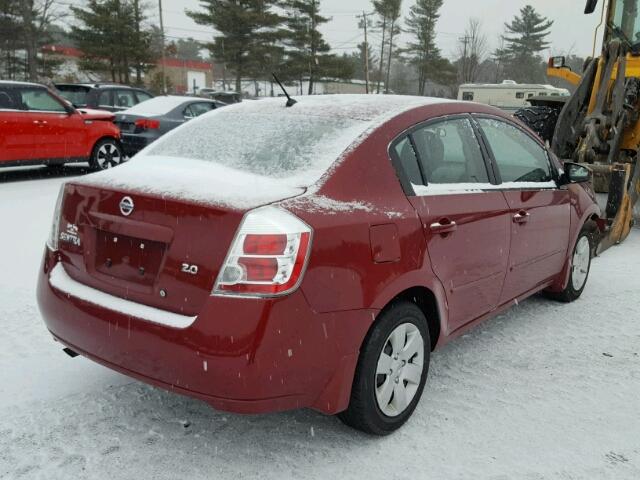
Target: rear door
x,y
466,224
539,210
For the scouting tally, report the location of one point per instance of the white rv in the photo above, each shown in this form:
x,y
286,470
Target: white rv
x,y
507,95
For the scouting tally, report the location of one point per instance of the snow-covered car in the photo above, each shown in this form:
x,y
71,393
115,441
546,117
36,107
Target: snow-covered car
x,y
265,258
146,122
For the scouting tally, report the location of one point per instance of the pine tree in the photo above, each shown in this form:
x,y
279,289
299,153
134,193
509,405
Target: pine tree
x,y
526,36
422,50
246,30
113,41
25,26
388,12
10,33
306,50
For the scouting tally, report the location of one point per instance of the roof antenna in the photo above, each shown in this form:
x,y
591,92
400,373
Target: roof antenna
x,y
290,101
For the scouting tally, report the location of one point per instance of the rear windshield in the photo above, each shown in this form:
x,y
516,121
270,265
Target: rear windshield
x,y
157,106
75,94
278,144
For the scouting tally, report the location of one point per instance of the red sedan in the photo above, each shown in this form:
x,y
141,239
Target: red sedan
x,y
264,258
38,127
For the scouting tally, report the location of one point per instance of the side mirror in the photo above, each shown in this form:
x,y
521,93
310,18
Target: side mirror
x,y
590,7
576,173
557,62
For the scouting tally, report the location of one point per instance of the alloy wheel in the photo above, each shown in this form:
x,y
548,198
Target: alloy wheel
x,y
108,156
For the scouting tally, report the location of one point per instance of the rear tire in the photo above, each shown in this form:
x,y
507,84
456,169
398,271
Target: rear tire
x,y
580,265
391,372
542,120
106,154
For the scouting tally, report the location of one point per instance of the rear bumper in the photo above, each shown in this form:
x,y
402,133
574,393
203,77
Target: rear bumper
x,y
132,144
239,355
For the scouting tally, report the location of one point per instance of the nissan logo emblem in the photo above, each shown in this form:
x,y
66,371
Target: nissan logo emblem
x,y
126,206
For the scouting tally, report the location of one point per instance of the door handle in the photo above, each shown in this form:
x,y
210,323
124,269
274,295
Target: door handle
x,y
521,217
444,226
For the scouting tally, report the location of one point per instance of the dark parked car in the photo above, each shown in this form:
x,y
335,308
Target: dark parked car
x,y
39,127
265,258
145,123
102,96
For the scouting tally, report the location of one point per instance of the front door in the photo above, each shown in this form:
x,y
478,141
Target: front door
x,y
540,211
49,120
466,225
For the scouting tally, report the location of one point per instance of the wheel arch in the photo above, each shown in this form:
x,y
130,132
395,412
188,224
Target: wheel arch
x,y
427,300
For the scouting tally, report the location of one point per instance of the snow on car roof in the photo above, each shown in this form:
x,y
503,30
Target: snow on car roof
x,y
255,153
368,108
158,105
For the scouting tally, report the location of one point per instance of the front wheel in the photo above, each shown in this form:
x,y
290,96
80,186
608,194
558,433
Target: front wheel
x,y
106,154
580,266
392,371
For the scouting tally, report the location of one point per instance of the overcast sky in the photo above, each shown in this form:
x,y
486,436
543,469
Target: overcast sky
x,y
571,32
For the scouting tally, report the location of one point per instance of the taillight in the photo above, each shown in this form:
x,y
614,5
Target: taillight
x,y
147,124
52,242
268,255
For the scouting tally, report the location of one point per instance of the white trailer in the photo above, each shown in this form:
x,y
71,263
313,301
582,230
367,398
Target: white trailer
x,y
507,95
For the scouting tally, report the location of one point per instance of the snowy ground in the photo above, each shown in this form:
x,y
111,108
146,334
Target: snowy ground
x,y
546,391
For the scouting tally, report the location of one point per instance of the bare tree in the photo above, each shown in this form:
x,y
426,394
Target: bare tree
x,y
472,50
37,17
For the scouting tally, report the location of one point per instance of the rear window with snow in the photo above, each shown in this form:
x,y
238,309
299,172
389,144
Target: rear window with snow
x,y
279,144
157,106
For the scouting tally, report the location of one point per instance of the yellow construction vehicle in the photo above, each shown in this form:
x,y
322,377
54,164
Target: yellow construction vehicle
x,y
599,125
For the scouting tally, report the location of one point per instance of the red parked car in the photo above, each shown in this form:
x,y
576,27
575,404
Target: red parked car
x,y
38,127
264,258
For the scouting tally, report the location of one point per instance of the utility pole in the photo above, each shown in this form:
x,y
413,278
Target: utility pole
x,y
465,40
365,22
164,76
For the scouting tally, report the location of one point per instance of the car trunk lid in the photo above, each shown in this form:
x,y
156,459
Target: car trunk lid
x,y
159,249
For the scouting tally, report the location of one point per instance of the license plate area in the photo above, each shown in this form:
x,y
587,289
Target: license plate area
x,y
127,258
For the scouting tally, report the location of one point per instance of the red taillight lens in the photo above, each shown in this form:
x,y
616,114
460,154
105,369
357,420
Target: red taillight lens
x,y
265,244
147,124
268,255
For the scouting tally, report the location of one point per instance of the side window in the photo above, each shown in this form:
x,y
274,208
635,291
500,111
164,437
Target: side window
x,y
143,96
38,99
519,94
409,161
125,98
105,99
467,96
518,156
450,153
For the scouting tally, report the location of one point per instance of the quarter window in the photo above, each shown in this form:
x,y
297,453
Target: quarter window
x,y
125,98
449,153
519,158
143,96
409,161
